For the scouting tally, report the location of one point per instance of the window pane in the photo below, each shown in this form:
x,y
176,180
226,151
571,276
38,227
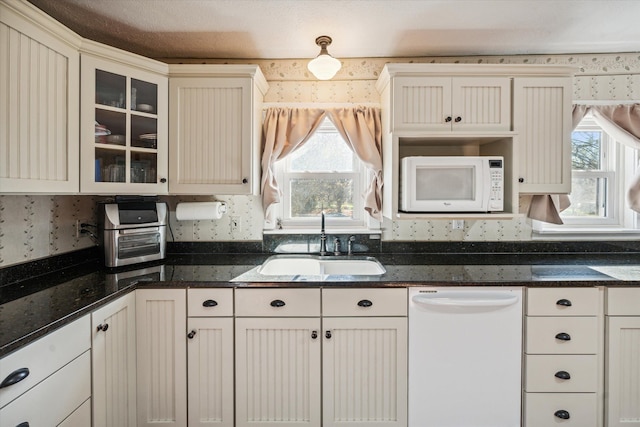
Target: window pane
x,y
310,196
586,150
588,197
324,152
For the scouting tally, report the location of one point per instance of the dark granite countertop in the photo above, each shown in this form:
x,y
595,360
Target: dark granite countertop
x,y
32,307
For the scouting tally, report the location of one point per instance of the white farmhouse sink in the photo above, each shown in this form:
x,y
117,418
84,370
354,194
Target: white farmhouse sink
x,y
314,265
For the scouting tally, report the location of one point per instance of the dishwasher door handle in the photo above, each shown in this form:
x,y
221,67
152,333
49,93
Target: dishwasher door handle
x,y
462,299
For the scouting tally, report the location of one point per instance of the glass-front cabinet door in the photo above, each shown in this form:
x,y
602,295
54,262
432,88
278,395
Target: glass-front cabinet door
x,y
123,129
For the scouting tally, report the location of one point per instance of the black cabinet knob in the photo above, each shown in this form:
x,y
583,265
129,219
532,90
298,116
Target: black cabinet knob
x,y
564,302
209,303
365,303
520,180
562,414
277,303
563,336
191,334
563,375
163,180
314,335
15,377
458,119
327,335
103,327
245,180
447,119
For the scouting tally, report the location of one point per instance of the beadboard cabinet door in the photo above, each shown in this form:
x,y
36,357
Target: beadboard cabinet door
x,y
161,323
113,339
39,106
623,372
364,371
542,119
278,372
215,128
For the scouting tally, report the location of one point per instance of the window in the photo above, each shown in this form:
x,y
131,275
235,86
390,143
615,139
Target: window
x,y
601,172
322,175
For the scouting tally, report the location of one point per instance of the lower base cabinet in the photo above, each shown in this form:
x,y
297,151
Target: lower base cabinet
x,y
161,323
113,348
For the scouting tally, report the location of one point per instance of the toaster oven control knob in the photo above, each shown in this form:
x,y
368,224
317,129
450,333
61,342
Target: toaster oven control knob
x,y
163,180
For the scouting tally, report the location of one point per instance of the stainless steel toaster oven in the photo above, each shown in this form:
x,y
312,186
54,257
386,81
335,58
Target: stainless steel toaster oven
x,y
132,231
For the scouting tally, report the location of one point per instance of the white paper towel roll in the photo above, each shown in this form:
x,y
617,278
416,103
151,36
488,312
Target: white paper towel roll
x,y
200,210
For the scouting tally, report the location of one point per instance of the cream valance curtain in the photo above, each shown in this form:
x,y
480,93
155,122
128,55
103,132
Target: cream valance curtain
x,y
287,129
622,122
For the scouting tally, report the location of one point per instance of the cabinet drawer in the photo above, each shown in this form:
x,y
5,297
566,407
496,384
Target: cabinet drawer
x,y
209,302
278,302
54,399
541,409
562,302
45,356
623,302
364,302
80,417
543,335
569,373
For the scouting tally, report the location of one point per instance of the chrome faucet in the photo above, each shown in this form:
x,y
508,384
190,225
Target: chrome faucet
x,y
323,237
350,244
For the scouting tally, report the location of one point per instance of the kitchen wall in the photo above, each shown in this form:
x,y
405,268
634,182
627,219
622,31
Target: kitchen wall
x,y
37,226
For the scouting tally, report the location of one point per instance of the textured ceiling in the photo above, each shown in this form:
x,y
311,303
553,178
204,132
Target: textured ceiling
x,y
272,29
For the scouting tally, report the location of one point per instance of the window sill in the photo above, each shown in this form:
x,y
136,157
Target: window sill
x,y
586,233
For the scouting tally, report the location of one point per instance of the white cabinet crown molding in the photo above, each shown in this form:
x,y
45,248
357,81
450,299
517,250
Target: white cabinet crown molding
x,y
221,70
129,59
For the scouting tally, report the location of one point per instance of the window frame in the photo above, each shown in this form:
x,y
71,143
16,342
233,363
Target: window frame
x,y
360,176
619,168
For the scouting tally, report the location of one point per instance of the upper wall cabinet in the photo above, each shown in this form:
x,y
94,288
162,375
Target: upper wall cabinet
x,y
451,104
215,128
39,102
542,117
124,122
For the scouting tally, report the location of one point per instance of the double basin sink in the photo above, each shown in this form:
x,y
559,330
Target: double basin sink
x,y
314,267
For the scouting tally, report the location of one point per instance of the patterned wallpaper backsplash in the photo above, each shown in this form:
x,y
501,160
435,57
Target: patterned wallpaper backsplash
x,y
37,226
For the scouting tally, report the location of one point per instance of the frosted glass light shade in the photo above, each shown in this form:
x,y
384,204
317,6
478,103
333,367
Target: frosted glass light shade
x,y
324,66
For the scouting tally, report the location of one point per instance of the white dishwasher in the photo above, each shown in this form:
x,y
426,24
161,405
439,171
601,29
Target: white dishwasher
x,y
465,356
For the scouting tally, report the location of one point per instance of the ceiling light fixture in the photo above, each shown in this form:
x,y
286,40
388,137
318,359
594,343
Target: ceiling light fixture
x,y
324,66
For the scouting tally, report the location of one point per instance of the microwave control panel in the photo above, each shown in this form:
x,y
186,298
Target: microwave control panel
x,y
496,202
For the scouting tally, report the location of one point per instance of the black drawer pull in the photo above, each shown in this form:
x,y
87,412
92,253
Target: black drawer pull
x,y
24,424
564,302
365,303
327,335
277,303
563,336
209,303
562,414
15,377
191,334
563,375
103,327
314,335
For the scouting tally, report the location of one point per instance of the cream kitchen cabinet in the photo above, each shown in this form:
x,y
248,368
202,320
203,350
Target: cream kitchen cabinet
x,y
161,331
123,122
278,357
563,357
33,377
39,106
622,383
215,126
456,104
542,119
113,352
210,379
364,357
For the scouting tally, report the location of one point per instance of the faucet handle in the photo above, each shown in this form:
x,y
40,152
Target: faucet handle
x,y
352,239
336,246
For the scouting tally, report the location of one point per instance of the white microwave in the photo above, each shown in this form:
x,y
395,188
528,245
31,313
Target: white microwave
x,y
452,184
